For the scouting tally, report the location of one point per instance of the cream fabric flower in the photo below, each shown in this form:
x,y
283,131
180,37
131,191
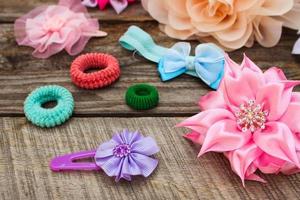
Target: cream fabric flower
x,y
229,23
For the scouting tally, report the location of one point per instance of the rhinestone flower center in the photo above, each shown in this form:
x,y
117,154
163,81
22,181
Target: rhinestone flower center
x,y
251,116
122,150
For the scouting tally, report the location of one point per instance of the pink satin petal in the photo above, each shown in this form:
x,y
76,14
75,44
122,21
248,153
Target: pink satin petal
x,y
240,159
269,164
246,86
276,97
274,74
277,140
224,136
291,116
254,177
195,137
247,63
232,68
212,100
202,121
290,168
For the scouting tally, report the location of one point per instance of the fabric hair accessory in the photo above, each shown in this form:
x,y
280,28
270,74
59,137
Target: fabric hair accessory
x,y
142,97
118,5
49,117
126,154
50,29
207,64
109,73
252,119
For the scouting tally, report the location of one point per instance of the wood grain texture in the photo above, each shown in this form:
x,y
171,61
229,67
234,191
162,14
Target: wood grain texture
x,y
11,10
26,150
20,73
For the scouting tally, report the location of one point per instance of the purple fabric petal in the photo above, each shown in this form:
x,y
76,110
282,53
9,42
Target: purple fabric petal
x,y
126,154
111,166
146,164
105,149
119,5
146,146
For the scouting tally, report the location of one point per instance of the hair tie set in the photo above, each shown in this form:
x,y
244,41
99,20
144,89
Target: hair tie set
x,y
126,154
109,73
207,64
49,117
142,96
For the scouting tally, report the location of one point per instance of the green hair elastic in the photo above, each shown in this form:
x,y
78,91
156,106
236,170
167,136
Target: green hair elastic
x,y
49,117
142,96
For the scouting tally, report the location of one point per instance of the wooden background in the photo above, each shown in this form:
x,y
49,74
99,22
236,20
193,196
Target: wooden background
x,y
25,150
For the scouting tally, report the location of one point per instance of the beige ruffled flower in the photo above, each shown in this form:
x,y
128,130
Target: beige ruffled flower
x,y
229,23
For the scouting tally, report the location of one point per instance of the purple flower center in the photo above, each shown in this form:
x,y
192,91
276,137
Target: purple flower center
x,y
122,150
251,116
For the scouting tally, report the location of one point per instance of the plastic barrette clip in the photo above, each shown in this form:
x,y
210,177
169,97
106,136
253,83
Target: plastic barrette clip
x,y
126,154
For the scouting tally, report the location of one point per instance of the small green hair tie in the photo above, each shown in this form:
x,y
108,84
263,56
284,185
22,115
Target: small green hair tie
x,y
142,96
44,117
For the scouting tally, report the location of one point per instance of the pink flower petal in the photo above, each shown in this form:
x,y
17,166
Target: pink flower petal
x,y
276,97
212,100
195,137
240,159
274,74
246,86
291,116
224,136
269,164
204,120
277,140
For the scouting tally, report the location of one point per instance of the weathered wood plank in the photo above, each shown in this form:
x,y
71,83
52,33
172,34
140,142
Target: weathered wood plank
x,y
11,10
26,150
20,73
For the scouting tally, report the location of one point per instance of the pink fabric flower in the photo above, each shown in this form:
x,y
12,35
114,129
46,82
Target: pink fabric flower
x,y
231,24
118,5
253,119
50,29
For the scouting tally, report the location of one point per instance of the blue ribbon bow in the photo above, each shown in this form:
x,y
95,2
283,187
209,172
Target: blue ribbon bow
x,y
207,64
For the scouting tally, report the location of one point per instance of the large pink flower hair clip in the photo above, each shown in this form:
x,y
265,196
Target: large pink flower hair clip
x,y
118,5
252,119
50,29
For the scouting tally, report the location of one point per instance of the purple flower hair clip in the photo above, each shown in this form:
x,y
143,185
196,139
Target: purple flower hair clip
x,y
126,154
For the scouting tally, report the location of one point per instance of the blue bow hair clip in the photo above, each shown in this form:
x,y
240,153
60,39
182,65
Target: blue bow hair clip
x,y
207,64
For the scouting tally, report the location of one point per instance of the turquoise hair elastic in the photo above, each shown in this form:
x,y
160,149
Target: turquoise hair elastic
x,y
207,64
49,117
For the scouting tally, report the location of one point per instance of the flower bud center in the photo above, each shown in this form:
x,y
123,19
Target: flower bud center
x,y
122,150
251,116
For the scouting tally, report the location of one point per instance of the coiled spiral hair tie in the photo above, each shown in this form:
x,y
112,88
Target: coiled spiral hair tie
x,y
142,96
109,73
49,117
